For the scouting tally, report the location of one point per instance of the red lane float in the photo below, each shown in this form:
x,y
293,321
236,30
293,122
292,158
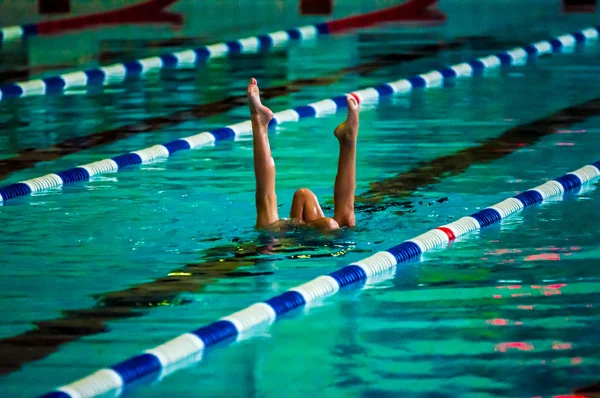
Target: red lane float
x,y
413,10
151,11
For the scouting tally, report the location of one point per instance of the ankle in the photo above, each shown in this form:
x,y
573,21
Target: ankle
x,y
347,142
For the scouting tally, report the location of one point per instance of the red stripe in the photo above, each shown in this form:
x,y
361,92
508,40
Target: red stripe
x,y
148,12
412,10
448,232
355,97
152,12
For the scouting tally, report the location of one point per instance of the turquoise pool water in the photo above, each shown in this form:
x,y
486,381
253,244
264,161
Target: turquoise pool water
x,y
97,272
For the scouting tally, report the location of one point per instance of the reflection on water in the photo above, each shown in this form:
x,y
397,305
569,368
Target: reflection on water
x,y
237,260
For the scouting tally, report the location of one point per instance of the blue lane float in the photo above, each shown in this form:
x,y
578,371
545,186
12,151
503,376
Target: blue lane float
x,y
156,363
436,78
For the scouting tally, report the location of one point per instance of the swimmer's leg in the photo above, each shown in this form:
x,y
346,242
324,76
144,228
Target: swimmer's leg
x,y
264,165
345,180
306,209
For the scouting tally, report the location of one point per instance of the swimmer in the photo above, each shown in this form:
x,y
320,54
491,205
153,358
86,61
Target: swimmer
x,y
305,205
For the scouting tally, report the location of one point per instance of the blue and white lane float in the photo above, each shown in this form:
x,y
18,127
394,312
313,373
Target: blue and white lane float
x,y
116,73
156,363
435,78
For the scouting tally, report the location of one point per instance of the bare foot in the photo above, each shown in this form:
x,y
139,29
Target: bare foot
x,y
348,129
258,112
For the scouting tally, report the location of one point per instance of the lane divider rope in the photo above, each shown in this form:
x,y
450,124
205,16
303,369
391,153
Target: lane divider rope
x,y
156,363
516,56
118,72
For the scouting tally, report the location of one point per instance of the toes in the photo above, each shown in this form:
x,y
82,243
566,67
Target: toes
x,y
252,86
352,103
252,91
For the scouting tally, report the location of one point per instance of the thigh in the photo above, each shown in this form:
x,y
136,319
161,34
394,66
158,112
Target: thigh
x,y
305,206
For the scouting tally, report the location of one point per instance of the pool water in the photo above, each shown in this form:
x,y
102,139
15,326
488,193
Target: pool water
x,y
99,271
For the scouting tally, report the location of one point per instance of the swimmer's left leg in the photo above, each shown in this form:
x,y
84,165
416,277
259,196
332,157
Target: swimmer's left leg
x,y
264,165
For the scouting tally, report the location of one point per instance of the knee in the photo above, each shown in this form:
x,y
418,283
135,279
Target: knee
x,y
303,193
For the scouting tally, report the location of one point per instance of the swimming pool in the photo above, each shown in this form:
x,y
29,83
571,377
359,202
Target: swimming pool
x,y
177,235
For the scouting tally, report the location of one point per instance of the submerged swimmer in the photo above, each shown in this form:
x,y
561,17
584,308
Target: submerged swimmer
x,y
305,205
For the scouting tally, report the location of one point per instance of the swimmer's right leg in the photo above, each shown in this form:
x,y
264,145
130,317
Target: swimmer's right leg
x,y
264,165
